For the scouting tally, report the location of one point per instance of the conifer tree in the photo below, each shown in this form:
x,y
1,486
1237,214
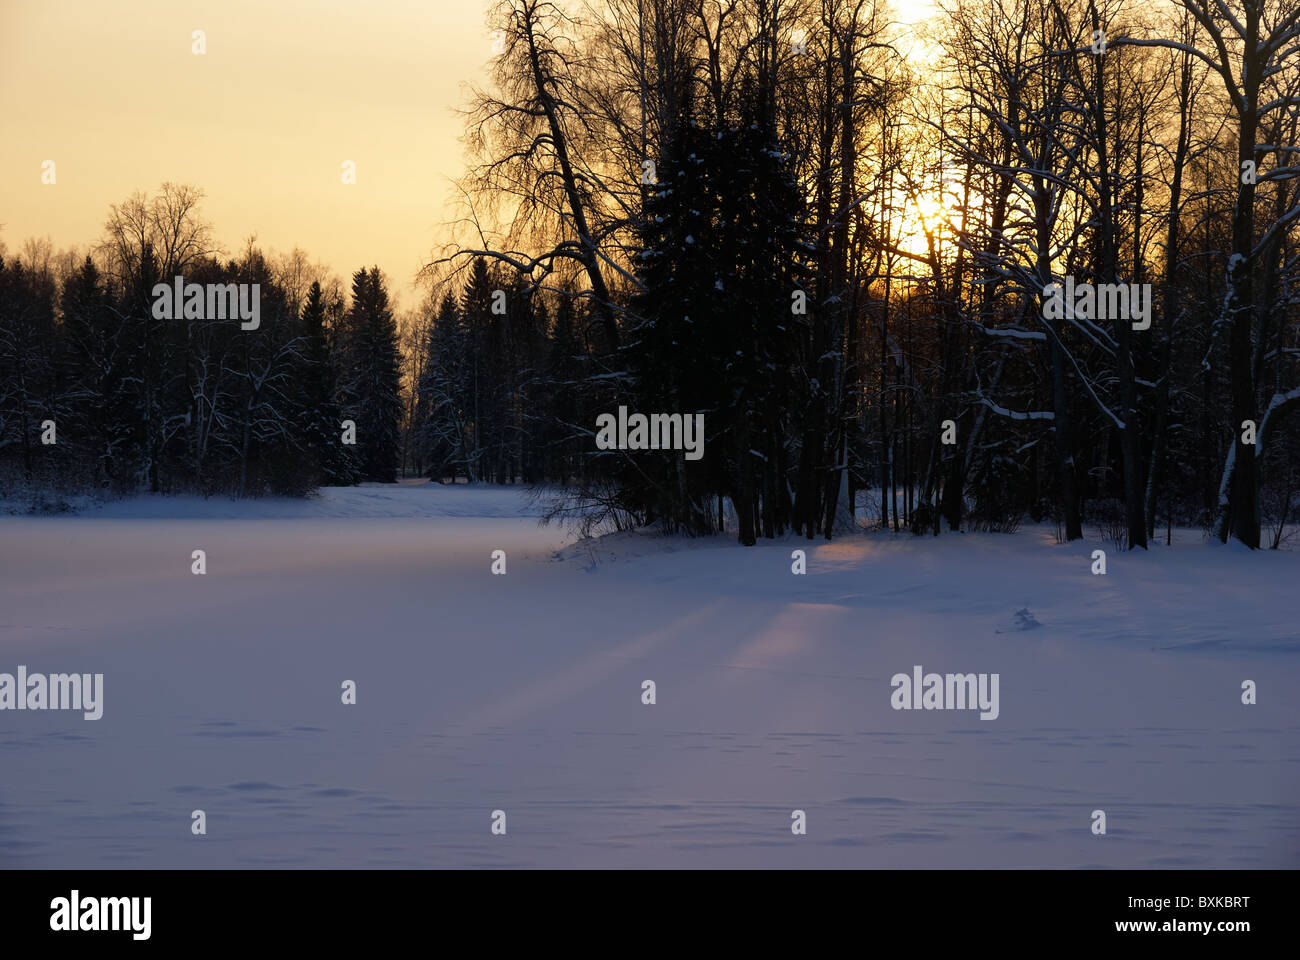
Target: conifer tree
x,y
321,415
373,390
566,368
445,395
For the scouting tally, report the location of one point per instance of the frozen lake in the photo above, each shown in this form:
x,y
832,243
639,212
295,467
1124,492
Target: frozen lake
x,y
523,693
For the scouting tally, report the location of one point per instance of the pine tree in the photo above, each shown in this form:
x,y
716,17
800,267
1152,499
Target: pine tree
x,y
533,321
484,345
763,245
566,368
95,355
321,416
267,432
445,394
674,347
374,379
27,361
724,240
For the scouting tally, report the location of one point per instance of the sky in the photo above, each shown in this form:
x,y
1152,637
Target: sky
x,y
286,92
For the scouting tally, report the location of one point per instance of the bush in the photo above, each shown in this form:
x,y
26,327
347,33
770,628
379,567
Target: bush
x,y
1111,521
995,507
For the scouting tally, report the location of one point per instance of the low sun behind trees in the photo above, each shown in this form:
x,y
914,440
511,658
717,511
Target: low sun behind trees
x,y
762,212
686,171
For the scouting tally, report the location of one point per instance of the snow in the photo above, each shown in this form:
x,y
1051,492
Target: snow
x,y
414,500
523,693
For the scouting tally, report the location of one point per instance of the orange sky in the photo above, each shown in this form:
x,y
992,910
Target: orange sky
x,y
287,90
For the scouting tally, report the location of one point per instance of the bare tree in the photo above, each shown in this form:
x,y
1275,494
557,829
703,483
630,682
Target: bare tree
x,y
1248,44
524,134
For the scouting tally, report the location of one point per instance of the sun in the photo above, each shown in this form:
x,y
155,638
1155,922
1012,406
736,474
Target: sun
x,y
924,212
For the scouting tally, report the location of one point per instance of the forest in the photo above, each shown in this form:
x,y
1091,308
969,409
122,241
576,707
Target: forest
x,y
854,247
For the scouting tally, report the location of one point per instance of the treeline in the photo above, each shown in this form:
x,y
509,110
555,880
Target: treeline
x,y
495,384
100,394
763,212
843,257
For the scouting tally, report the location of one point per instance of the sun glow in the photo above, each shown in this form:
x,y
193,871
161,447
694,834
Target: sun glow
x,y
922,216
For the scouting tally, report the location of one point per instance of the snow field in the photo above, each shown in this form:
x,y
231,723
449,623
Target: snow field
x,y
523,693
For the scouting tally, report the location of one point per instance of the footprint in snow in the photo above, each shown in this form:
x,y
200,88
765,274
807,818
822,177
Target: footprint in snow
x,y
1023,620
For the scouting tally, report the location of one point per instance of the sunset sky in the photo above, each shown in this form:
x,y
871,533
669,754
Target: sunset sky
x,y
286,92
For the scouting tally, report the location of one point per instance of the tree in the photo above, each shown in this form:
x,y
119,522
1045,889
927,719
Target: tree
x,y
321,415
1248,44
446,394
535,123
27,359
372,382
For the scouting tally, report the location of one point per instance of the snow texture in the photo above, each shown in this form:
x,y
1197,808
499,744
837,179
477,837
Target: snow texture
x,y
523,693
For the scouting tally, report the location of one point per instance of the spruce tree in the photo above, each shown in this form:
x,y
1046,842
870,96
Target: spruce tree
x,y
445,394
374,377
677,352
763,247
27,362
484,343
566,367
94,352
321,415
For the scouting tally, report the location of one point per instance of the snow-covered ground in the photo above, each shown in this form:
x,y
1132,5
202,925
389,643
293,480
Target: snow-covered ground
x,y
523,693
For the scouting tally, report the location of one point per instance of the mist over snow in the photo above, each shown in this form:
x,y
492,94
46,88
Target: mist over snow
x,y
523,693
